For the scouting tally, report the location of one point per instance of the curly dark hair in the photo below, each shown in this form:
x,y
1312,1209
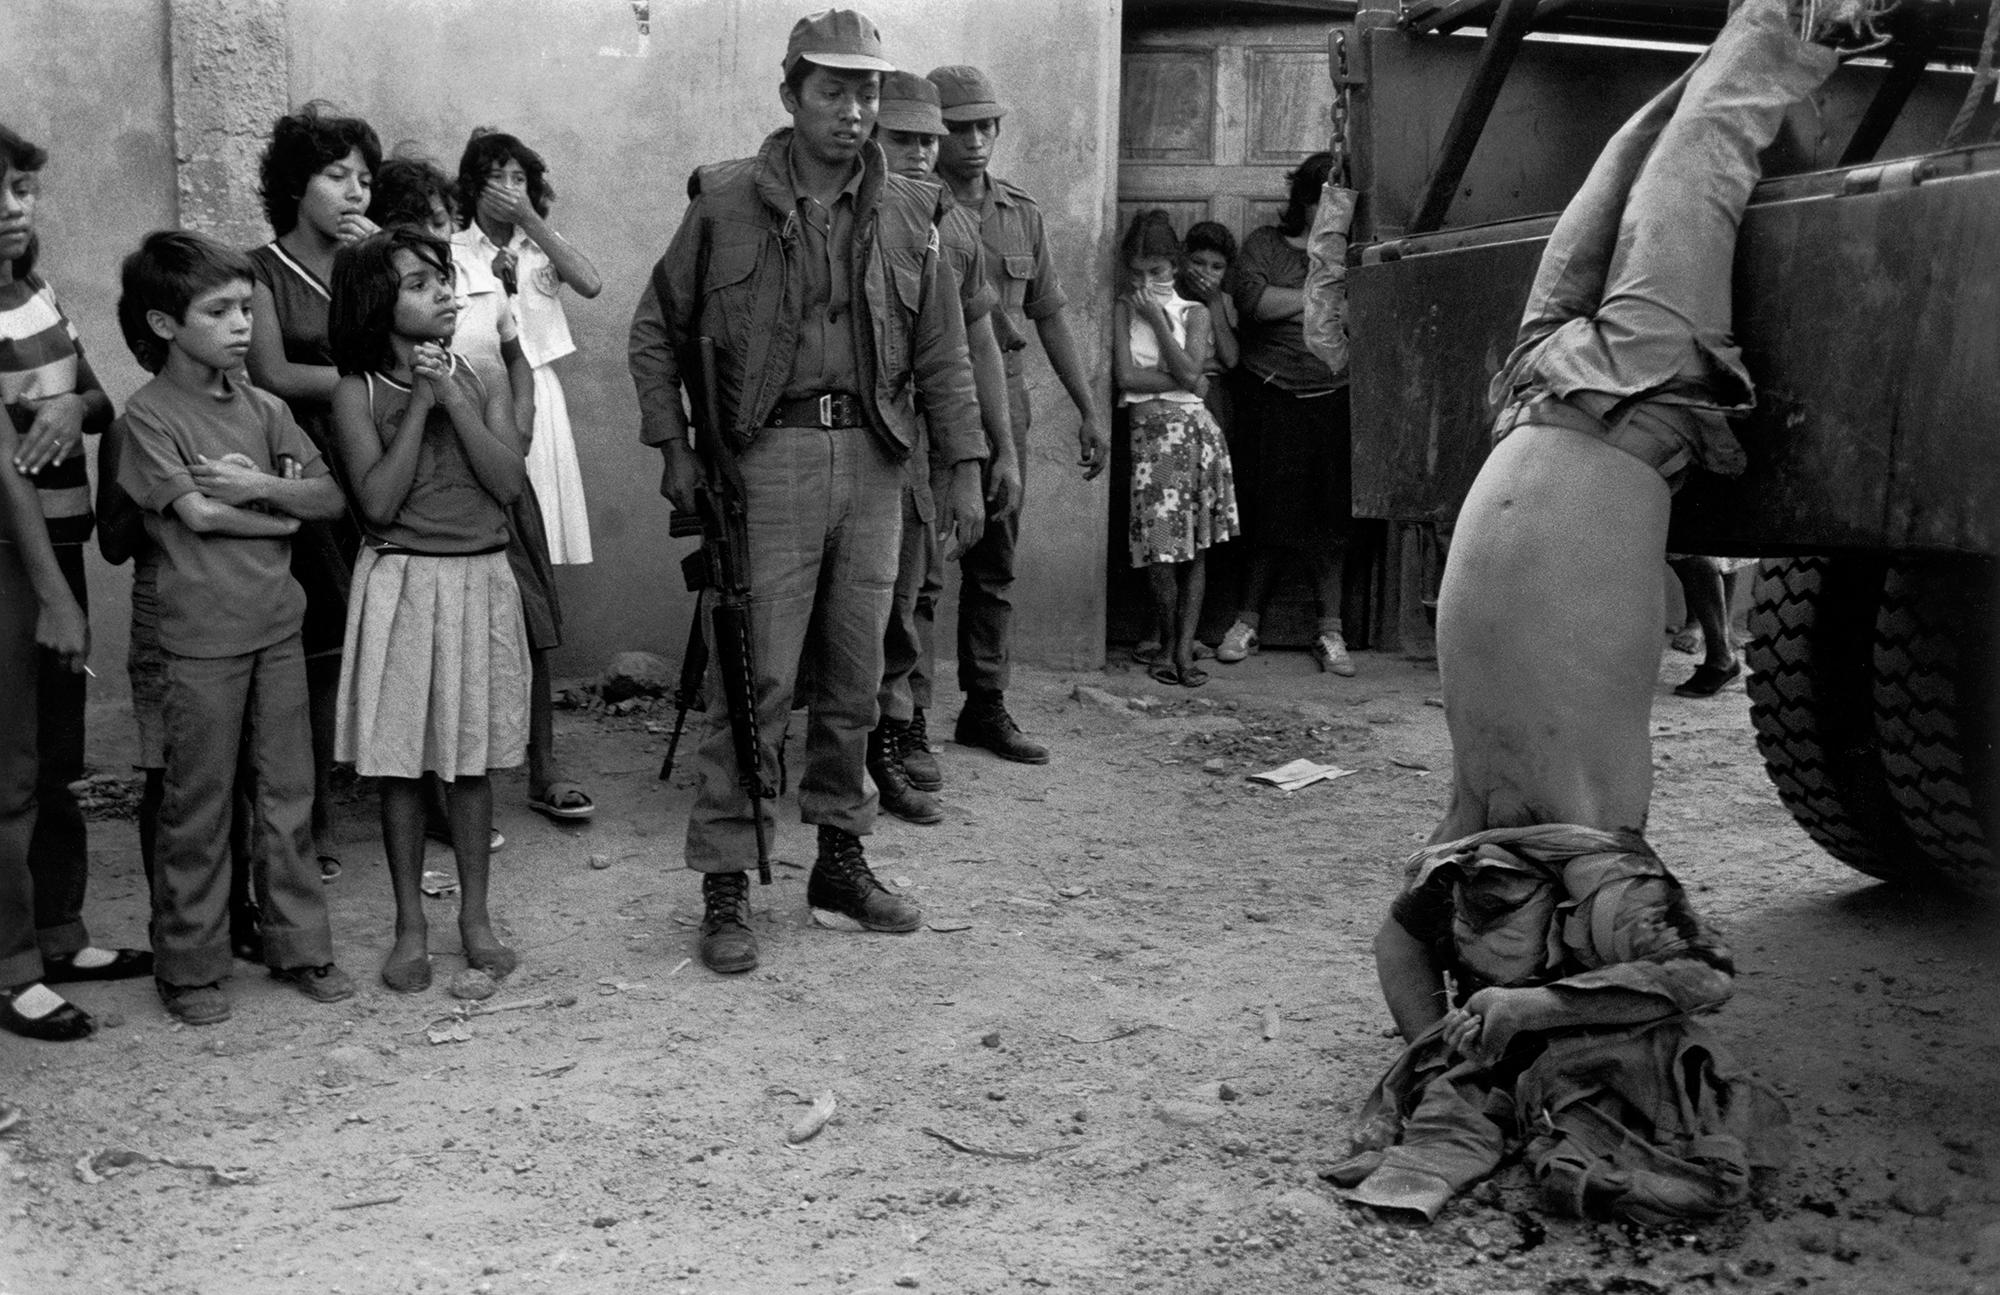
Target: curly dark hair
x,y
17,154
1306,184
301,144
362,314
406,185
168,271
487,149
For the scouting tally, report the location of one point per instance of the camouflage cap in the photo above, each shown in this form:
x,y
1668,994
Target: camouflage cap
x,y
965,94
909,103
840,38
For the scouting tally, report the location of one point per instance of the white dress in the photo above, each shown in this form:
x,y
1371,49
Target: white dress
x,y
545,338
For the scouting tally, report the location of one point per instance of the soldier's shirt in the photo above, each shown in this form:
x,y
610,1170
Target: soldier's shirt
x,y
1019,264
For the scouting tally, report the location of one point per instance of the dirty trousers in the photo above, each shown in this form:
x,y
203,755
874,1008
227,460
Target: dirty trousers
x,y
825,513
909,654
1633,296
986,570
215,707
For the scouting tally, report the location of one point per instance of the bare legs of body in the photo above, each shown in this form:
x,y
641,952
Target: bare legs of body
x,y
1548,636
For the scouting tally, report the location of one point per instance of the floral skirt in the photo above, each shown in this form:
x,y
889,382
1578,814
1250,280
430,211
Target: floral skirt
x,y
1183,492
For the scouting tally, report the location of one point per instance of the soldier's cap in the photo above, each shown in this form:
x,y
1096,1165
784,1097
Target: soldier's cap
x,y
965,94
839,38
909,103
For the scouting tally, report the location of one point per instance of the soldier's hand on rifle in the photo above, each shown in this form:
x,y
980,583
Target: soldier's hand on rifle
x,y
961,517
680,475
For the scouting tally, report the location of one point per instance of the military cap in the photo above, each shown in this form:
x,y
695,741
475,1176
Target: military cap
x,y
965,94
909,103
841,38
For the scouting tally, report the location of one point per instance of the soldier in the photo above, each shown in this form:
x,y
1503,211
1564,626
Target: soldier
x,y
816,273
908,127
1018,257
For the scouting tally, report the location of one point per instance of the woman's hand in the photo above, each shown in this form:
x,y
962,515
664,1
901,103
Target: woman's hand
x,y
500,205
1206,282
354,227
57,429
1143,306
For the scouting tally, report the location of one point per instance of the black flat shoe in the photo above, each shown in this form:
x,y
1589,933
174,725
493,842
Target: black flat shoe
x,y
1708,680
127,964
63,1025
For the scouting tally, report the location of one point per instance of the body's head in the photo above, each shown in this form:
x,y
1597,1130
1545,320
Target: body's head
x,y
187,292
1206,253
833,84
972,113
908,124
493,157
413,190
21,164
1151,252
1306,184
390,286
317,167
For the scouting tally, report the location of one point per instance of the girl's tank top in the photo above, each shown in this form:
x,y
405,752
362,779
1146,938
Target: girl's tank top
x,y
447,512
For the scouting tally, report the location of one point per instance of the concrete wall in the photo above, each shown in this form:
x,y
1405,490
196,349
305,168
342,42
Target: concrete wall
x,y
115,87
624,117
87,80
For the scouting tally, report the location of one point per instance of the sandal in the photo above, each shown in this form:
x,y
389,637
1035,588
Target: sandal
x,y
125,963
1193,677
1164,672
58,1025
563,800
1708,680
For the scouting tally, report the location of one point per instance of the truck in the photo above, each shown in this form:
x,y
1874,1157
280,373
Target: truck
x,y
1868,310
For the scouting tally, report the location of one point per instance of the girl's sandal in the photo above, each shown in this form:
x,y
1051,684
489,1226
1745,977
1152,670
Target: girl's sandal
x,y
61,1024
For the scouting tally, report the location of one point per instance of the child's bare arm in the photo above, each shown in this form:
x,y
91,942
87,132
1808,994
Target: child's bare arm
x,y
1185,369
205,516
521,381
226,481
1131,379
381,476
1220,309
60,625
269,368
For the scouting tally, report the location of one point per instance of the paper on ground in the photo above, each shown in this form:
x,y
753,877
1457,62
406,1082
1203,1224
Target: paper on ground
x,y
1297,774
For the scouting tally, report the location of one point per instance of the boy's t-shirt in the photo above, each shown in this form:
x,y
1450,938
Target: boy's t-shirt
x,y
219,595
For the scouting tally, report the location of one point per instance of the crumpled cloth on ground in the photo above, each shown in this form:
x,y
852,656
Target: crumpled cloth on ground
x,y
1652,1122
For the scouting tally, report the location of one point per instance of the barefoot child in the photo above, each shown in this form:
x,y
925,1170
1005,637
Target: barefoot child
x,y
435,670
204,461
1183,499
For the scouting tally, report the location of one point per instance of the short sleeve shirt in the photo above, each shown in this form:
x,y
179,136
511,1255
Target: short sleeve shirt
x,y
536,300
219,595
1019,265
965,256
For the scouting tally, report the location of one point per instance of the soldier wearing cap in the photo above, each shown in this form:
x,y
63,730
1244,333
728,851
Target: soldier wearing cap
x,y
817,274
1018,259
908,127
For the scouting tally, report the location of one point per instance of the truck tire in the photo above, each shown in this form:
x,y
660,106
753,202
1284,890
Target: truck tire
x,y
1812,630
1934,646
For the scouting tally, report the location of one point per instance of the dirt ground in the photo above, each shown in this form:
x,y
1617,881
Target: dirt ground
x,y
1136,1028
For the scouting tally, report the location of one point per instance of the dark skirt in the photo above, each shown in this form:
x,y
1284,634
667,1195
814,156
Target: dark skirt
x,y
528,555
1295,484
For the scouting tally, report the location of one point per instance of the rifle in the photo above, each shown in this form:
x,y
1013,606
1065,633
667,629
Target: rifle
x,y
718,574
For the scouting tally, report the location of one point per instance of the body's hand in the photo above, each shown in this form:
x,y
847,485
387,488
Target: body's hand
x,y
62,629
57,429
680,475
232,479
961,517
354,227
1093,450
1004,487
1487,1024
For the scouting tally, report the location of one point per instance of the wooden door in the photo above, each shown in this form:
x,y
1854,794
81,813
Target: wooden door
x,y
1212,116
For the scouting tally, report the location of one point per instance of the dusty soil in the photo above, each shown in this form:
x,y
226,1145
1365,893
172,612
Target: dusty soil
x,y
1137,1027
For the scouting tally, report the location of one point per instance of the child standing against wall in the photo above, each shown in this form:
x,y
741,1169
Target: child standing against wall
x,y
434,675
1183,495
205,461
504,197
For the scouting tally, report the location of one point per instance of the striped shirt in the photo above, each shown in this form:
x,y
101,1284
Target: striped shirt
x,y
39,355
